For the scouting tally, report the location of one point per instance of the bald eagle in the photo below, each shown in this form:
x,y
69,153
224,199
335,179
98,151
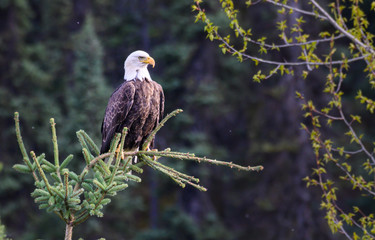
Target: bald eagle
x,y
138,104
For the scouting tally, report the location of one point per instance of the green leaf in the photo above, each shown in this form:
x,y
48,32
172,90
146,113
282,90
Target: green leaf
x,y
51,208
87,187
98,184
120,178
39,192
55,177
44,205
73,201
44,161
73,176
99,177
66,161
48,169
119,187
105,201
51,201
90,142
41,199
87,155
21,168
133,178
58,192
92,199
136,169
78,192
103,167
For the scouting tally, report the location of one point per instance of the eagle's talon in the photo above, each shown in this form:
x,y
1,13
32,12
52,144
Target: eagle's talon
x,y
152,150
122,153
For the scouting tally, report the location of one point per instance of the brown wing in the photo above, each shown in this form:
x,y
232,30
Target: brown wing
x,y
159,97
161,112
161,103
119,105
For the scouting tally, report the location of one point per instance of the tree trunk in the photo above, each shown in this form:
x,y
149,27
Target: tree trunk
x,y
69,231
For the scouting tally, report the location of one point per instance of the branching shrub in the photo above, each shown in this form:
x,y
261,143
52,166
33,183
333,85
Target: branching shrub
x,y
327,41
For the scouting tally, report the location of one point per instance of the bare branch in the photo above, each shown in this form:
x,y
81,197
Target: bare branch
x,y
233,50
354,181
348,152
327,115
341,29
287,45
358,140
297,9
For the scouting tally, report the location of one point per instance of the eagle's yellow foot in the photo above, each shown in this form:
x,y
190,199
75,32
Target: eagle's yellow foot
x,y
152,150
122,153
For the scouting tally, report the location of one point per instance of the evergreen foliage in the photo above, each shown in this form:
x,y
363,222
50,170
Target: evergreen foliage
x,y
74,197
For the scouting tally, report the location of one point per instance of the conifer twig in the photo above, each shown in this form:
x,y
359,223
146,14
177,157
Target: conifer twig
x,y
188,156
119,154
160,125
66,184
55,148
89,166
89,141
54,141
113,147
169,170
41,172
21,145
177,176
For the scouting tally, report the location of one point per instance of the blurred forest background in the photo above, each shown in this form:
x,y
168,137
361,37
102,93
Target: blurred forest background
x,y
63,59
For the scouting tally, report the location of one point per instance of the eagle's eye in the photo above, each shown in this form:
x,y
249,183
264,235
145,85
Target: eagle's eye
x,y
141,58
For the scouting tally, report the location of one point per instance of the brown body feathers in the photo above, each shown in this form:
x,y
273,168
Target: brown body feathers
x,y
137,105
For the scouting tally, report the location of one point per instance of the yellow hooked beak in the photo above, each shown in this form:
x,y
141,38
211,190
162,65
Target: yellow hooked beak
x,y
149,60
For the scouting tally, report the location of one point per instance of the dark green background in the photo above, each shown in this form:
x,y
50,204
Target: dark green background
x,y
62,59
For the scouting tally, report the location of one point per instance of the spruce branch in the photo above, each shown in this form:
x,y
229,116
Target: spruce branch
x,y
40,169
89,167
119,154
55,148
160,125
177,176
113,147
76,197
89,142
21,145
54,141
192,157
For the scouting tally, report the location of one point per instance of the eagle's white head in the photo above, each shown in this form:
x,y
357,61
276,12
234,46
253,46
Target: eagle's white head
x,y
136,66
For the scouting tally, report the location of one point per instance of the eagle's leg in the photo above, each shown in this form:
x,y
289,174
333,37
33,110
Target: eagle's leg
x,y
151,149
122,153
